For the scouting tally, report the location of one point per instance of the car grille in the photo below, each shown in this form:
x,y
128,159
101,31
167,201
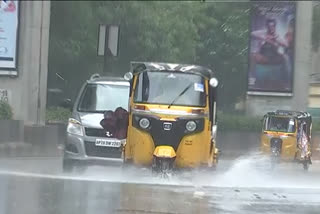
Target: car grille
x,y
100,151
93,132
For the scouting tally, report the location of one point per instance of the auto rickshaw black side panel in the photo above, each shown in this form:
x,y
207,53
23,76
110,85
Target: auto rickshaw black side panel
x,y
169,133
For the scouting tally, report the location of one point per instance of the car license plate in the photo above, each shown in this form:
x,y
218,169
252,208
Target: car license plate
x,y
107,143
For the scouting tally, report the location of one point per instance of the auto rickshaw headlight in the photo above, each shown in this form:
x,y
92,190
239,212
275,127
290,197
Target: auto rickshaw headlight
x,y
144,123
213,82
191,126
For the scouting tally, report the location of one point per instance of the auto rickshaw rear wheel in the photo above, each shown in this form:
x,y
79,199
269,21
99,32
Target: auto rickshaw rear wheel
x,y
305,165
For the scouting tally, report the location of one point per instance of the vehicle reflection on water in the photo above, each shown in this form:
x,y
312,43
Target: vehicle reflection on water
x,y
241,186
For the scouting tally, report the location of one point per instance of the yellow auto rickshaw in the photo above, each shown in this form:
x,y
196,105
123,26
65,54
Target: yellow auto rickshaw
x,y
286,136
172,118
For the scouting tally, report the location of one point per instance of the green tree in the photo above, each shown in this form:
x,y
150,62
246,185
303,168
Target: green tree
x,y
210,34
223,46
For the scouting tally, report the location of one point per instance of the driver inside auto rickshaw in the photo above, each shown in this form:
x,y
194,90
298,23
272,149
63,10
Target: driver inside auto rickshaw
x,y
164,94
278,126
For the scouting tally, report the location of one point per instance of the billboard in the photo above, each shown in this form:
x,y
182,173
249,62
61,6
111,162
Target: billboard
x,y
8,34
271,47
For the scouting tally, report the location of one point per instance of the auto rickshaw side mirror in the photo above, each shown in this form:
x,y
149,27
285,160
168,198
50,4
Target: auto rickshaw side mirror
x,y
128,76
213,82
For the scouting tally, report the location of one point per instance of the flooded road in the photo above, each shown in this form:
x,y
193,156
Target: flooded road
x,y
244,185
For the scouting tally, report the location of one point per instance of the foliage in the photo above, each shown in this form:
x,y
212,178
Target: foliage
x,y
57,114
223,47
5,111
232,122
213,35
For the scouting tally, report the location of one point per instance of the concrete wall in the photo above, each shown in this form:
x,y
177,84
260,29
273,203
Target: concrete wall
x,y
314,95
316,62
27,91
258,105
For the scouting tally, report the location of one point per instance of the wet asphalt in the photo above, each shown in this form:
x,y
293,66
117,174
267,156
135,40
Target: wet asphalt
x,y
245,185
242,183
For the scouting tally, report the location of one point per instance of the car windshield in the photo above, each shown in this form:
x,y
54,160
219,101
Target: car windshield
x,y
167,87
280,124
102,97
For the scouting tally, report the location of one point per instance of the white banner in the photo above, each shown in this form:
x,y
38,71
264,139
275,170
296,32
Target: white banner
x,y
4,95
8,33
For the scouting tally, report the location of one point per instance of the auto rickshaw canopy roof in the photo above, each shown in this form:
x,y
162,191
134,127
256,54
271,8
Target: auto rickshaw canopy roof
x,y
286,113
138,67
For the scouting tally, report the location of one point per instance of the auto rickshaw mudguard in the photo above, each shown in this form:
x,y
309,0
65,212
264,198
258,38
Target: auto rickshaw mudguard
x,y
164,152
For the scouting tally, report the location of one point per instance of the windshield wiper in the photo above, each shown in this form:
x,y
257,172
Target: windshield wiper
x,y
182,93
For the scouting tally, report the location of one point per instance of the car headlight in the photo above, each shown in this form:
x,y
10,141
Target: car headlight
x,y
144,123
74,127
191,126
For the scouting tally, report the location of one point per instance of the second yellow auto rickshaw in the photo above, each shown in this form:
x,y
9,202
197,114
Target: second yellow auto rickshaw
x,y
286,136
172,118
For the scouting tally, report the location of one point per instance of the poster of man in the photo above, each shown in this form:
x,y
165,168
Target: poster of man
x,y
271,47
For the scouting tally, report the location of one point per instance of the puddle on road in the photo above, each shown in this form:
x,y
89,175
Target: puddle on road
x,y
245,172
255,171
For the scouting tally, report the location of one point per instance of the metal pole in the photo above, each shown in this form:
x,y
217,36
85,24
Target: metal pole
x,y
107,66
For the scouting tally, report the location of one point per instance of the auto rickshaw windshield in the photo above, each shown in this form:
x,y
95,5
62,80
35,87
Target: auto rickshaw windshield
x,y
164,87
280,124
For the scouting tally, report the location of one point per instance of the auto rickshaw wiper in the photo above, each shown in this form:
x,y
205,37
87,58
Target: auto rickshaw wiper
x,y
182,93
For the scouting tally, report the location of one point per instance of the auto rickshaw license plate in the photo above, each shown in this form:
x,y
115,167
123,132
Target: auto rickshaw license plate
x,y
107,143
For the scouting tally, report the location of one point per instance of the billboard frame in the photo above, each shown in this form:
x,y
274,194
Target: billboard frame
x,y
5,71
257,92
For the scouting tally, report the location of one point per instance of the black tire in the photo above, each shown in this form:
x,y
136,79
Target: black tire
x,y
71,166
305,165
68,166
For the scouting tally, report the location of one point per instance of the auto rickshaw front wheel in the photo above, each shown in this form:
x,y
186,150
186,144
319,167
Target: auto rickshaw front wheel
x,y
162,167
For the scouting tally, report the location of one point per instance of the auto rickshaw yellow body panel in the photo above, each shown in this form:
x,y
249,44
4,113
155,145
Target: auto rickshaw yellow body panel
x,y
189,148
193,150
298,126
289,144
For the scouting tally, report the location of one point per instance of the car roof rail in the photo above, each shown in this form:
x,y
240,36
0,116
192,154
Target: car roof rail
x,y
95,76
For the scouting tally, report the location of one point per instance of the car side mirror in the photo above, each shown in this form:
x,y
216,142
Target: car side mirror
x,y
213,82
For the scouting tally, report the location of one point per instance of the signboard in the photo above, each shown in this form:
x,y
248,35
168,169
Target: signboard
x,y
4,95
8,34
108,35
271,48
